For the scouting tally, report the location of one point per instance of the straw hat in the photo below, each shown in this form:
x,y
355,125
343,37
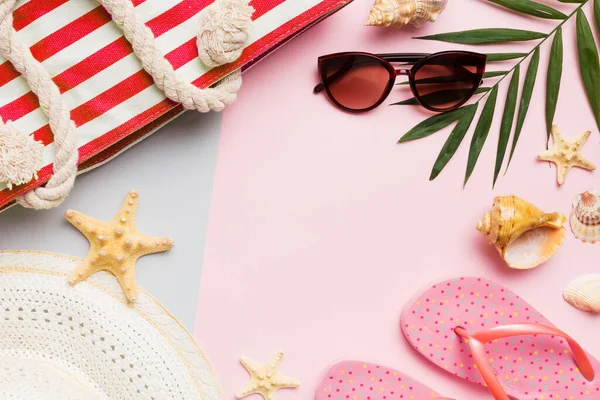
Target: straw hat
x,y
59,342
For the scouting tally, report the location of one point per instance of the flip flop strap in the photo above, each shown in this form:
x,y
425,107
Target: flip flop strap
x,y
478,339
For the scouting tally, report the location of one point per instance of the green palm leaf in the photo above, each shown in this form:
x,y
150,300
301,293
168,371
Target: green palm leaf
x,y
454,140
486,36
507,120
528,85
493,74
531,8
494,57
589,63
432,125
553,79
441,97
481,132
597,13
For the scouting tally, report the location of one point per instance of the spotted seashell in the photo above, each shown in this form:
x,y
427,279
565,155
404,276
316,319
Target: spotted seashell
x,y
398,13
584,293
585,218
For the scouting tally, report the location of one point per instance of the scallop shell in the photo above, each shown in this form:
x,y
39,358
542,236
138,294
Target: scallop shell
x,y
398,13
584,293
585,218
524,235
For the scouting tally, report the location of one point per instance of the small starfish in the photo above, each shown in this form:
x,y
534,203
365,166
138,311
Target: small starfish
x,y
265,379
115,246
566,154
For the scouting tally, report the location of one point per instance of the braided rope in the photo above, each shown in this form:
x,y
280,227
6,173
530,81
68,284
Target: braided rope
x,y
220,43
40,82
144,46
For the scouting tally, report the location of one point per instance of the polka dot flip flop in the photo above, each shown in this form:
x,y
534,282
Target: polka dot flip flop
x,y
484,333
357,380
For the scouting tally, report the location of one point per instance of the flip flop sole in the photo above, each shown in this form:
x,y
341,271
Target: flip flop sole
x,y
357,380
529,367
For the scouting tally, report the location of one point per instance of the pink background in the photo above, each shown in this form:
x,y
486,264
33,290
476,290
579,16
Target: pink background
x,y
322,227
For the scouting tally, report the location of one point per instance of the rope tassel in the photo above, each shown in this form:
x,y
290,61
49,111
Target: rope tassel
x,y
20,156
225,32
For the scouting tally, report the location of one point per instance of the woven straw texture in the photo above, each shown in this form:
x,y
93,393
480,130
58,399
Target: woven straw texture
x,y
85,342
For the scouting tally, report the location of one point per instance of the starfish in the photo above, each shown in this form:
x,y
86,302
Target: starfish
x,y
566,154
265,379
115,246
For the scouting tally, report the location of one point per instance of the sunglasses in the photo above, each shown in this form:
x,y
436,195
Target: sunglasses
x,y
359,82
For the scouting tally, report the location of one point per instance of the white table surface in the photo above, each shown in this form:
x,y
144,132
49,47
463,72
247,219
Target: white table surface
x,y
173,172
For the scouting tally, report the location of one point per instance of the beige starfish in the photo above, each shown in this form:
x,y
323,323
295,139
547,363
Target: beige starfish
x,y
265,379
115,245
566,154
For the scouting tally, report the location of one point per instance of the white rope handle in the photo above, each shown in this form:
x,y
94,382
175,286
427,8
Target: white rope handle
x,y
144,46
224,35
40,82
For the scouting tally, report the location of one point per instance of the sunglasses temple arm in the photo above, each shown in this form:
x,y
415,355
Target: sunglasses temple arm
x,y
319,88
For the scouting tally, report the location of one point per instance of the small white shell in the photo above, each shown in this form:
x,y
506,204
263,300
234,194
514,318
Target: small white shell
x,y
585,218
398,13
584,293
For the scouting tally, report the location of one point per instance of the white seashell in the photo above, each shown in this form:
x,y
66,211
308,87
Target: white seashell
x,y
585,218
398,13
584,293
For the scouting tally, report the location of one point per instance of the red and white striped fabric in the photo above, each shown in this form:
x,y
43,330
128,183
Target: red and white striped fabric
x,y
113,101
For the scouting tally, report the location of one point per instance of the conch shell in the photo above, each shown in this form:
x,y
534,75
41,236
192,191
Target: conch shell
x,y
585,218
397,13
524,235
584,293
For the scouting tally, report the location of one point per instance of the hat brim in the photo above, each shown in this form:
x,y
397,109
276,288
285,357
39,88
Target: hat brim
x,y
91,336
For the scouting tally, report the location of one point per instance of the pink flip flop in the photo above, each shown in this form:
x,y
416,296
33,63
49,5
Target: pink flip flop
x,y
484,333
357,380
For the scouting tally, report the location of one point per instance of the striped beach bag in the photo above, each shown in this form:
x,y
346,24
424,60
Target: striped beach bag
x,y
82,80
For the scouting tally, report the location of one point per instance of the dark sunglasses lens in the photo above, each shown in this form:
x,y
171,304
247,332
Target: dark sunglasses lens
x,y
357,82
446,81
